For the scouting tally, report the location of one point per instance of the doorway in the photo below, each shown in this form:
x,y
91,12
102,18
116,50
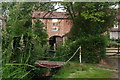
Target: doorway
x,y
55,41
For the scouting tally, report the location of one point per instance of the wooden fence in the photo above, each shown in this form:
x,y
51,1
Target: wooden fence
x,y
112,51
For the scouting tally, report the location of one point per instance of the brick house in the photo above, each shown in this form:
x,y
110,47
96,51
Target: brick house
x,y
56,24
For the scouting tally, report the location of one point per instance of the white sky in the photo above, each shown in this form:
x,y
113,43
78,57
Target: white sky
x,y
59,10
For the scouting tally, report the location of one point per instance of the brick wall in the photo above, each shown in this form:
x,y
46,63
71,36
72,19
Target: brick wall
x,y
63,26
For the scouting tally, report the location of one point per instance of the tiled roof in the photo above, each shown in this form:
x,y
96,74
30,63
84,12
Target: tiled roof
x,y
49,14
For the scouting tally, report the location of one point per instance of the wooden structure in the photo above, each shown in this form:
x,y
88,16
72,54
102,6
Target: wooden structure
x,y
112,51
56,64
49,64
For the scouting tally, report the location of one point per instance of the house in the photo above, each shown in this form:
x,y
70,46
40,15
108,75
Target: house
x,y
56,24
115,30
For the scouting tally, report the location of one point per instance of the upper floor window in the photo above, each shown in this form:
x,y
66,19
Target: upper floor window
x,y
54,20
116,25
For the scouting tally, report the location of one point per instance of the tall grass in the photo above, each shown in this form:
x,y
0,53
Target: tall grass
x,y
19,41
19,55
15,67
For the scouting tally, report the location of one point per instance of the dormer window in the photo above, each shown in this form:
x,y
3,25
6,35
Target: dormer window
x,y
116,25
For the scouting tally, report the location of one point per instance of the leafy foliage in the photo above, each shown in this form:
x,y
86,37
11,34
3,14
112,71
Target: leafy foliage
x,y
90,21
90,18
21,40
93,48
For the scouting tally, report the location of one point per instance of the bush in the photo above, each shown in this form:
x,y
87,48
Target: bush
x,y
93,48
39,52
62,52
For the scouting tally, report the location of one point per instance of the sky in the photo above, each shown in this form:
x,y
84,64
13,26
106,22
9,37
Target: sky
x,y
59,10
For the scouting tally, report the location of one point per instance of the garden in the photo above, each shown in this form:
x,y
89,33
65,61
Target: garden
x,y
24,42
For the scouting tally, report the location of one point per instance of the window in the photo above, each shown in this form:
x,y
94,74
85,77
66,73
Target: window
x,y
116,25
54,28
41,19
54,20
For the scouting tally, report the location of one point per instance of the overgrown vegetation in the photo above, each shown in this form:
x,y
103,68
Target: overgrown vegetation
x,y
22,41
90,23
93,48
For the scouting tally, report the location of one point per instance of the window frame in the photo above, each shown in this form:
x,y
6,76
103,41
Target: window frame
x,y
55,28
115,25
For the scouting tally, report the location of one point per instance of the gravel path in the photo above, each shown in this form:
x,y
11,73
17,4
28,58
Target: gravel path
x,y
113,62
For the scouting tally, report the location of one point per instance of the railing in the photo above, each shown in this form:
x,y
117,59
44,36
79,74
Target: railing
x,y
112,51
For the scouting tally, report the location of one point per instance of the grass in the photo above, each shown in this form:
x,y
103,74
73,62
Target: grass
x,y
75,70
105,67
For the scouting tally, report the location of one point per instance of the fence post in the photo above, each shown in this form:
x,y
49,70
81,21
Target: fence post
x,y
118,48
80,55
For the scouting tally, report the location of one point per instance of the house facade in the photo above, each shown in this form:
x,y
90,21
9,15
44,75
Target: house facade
x,y
56,24
115,30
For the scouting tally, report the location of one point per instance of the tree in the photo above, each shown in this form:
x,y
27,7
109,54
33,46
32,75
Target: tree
x,y
90,21
94,15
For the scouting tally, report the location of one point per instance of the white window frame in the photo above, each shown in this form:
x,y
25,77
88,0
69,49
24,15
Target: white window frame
x,y
54,20
54,28
115,25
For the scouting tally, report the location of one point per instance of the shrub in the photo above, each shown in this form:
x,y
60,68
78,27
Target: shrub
x,y
93,48
63,51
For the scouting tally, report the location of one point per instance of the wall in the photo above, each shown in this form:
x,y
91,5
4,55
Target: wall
x,y
63,25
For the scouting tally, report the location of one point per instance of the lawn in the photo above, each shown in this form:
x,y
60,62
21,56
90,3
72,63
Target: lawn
x,y
75,70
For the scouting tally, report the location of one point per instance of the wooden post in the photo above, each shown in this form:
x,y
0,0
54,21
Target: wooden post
x,y
54,46
80,55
